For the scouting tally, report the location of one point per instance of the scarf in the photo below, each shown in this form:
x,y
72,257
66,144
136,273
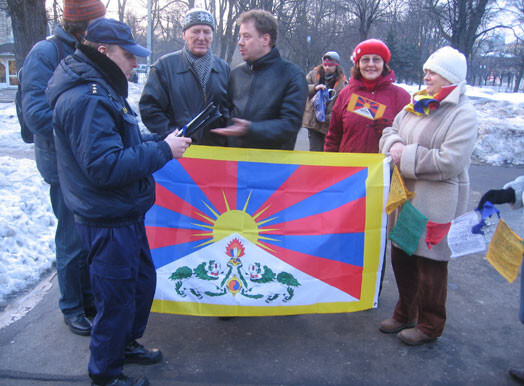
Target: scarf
x,y
202,65
422,103
370,84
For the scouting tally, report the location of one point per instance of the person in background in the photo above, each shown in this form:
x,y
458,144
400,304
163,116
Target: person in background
x,y
368,104
76,297
181,84
513,194
105,167
431,142
267,94
329,75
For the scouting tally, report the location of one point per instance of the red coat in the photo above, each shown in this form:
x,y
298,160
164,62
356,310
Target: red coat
x,y
359,115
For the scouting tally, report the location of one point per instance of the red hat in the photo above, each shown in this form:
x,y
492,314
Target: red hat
x,y
370,47
83,10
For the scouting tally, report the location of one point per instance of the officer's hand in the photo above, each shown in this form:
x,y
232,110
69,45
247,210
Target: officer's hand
x,y
500,196
239,128
178,145
320,86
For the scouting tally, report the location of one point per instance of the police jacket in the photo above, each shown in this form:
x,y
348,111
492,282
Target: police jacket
x,y
39,65
173,96
271,93
104,164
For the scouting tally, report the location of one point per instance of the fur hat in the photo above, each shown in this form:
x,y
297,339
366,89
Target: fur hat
x,y
449,63
196,16
83,10
370,47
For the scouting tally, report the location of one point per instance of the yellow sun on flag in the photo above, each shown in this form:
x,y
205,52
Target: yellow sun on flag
x,y
235,221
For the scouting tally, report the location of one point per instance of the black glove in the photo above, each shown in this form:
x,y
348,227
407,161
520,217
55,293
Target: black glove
x,y
500,196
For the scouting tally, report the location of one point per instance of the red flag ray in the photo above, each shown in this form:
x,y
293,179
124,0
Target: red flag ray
x,y
301,183
160,237
345,277
215,179
167,199
348,218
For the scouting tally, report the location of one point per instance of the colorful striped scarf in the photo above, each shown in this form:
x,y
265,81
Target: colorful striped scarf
x,y
422,103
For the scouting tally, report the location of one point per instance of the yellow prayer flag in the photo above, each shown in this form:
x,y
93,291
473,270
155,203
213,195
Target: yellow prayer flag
x,y
505,251
398,193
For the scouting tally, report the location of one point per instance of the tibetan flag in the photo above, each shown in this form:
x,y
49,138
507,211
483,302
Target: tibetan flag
x,y
366,107
244,232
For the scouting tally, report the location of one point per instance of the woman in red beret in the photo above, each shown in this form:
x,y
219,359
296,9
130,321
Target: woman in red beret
x,y
368,104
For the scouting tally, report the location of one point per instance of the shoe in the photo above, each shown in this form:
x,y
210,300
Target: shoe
x,y
121,380
414,337
517,374
136,353
90,311
78,324
390,326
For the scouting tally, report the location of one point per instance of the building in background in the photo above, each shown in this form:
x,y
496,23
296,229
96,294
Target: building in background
x,y
7,50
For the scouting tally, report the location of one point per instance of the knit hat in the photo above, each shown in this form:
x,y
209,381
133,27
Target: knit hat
x,y
83,10
370,47
331,58
111,31
448,63
196,16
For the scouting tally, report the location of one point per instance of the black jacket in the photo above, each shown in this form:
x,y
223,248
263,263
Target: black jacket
x,y
104,164
272,94
172,96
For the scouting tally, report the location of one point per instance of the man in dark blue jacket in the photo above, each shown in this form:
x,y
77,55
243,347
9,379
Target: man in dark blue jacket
x,y
267,94
105,167
183,83
76,298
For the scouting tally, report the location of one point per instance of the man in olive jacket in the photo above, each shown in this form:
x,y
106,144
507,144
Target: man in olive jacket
x,y
267,94
183,83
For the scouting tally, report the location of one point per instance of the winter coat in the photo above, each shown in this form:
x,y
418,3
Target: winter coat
x,y
435,161
271,93
39,65
518,186
360,115
173,96
313,79
105,166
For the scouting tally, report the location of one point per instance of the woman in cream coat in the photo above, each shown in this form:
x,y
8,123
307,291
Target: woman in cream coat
x,y
431,142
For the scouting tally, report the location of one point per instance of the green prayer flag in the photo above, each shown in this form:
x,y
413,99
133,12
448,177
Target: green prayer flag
x,y
408,229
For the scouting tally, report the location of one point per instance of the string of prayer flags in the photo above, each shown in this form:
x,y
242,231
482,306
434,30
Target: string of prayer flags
x,y
461,240
435,232
409,228
505,251
398,193
487,211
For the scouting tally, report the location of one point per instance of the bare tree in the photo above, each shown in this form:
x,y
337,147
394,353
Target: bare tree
x,y
366,12
29,22
460,21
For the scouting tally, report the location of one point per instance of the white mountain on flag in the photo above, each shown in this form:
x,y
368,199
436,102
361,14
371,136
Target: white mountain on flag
x,y
365,112
235,271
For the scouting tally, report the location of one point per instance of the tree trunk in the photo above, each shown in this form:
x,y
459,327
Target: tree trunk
x,y
29,22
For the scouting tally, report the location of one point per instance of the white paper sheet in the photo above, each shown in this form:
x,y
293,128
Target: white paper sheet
x,y
461,240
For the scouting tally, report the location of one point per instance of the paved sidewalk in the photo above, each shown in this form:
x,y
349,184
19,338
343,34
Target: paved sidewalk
x,y
483,336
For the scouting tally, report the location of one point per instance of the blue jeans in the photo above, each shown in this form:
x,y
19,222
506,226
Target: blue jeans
x,y
123,278
521,307
71,259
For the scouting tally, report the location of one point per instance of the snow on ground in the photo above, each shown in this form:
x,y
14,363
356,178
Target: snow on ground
x,y
27,223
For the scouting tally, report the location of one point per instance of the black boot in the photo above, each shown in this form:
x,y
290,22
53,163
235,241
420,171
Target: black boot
x,y
78,324
136,353
121,380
